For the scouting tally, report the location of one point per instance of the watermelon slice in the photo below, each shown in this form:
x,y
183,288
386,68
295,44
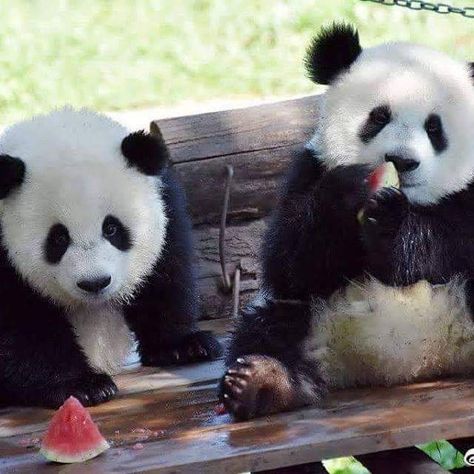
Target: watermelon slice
x,y
72,436
384,176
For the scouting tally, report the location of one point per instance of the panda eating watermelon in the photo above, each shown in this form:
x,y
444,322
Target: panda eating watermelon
x,y
366,286
95,251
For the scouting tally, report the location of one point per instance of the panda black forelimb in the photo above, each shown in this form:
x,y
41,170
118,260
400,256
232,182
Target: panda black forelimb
x,y
41,363
406,243
313,245
164,314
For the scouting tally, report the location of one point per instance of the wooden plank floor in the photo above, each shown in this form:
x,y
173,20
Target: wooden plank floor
x,y
172,412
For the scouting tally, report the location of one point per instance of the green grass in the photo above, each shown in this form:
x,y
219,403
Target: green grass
x,y
443,453
115,54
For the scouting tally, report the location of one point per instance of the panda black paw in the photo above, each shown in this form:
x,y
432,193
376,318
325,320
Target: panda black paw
x,y
195,347
257,385
348,187
384,214
90,389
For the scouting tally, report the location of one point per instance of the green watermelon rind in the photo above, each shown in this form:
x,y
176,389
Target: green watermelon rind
x,y
51,455
390,178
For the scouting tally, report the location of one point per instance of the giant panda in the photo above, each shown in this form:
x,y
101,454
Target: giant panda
x,y
385,298
95,255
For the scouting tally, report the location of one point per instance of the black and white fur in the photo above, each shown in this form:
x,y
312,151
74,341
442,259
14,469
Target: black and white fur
x,y
387,300
95,249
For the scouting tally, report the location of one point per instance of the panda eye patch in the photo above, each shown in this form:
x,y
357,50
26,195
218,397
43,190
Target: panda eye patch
x,y
56,243
434,130
375,122
380,115
116,233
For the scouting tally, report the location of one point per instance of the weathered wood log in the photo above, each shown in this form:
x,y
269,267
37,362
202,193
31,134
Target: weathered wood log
x,y
242,246
257,141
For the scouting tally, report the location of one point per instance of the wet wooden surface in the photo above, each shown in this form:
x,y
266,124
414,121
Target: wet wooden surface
x,y
181,432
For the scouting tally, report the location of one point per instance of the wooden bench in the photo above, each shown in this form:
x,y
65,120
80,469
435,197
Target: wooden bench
x,y
172,412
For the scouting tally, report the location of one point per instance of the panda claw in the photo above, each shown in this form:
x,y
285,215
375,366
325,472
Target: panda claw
x,y
194,347
237,391
235,382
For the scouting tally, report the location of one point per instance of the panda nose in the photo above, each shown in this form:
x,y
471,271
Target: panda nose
x,y
96,285
402,163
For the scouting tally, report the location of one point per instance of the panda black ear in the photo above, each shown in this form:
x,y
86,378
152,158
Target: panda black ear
x,y
471,69
331,52
148,153
12,173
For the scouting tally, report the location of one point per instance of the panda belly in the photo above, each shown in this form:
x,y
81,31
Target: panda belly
x,y
103,335
371,334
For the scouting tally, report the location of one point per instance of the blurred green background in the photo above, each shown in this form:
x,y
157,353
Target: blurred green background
x,y
126,54
122,54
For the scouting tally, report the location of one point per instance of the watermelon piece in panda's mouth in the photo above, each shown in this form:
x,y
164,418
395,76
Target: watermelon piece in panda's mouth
x,y
384,176
72,436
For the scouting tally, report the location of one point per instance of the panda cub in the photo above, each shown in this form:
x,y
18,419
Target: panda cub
x,y
95,247
387,297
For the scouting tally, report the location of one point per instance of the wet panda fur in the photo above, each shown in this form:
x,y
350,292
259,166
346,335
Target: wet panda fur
x,y
387,300
95,253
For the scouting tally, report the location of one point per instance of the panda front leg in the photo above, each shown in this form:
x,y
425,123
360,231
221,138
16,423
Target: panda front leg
x,y
405,243
393,257
41,364
164,314
268,370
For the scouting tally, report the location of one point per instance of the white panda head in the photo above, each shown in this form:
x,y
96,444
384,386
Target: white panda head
x,y
81,212
396,102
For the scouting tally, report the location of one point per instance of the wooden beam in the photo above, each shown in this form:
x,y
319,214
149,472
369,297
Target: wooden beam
x,y
242,245
257,141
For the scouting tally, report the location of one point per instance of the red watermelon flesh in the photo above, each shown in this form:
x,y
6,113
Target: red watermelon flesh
x,y
72,436
383,176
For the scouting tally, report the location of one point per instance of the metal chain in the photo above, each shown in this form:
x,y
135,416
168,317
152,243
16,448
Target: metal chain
x,y
441,8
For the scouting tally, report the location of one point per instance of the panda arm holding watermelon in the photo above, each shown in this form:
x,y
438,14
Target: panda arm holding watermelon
x,y
383,105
